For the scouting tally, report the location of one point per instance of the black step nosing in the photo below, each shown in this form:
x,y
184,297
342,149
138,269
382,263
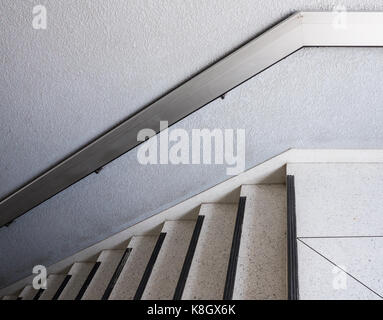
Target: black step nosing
x,y
292,254
233,260
116,274
62,287
149,267
188,259
38,294
88,280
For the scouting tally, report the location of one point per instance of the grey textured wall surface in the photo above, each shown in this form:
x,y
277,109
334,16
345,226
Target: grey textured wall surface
x,y
100,61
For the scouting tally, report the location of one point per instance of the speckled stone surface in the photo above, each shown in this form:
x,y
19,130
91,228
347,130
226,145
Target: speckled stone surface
x,y
9,298
321,280
208,270
53,283
109,261
338,199
79,272
332,201
261,268
28,293
167,269
131,275
360,257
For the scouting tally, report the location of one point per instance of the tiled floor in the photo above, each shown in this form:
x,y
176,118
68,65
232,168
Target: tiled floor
x,y
339,210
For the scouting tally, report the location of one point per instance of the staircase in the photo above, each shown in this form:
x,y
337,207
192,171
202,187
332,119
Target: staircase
x,y
249,249
189,259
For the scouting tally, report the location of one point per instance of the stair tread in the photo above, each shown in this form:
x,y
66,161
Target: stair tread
x,y
109,261
131,275
28,293
79,273
207,275
53,283
166,271
9,298
261,267
337,199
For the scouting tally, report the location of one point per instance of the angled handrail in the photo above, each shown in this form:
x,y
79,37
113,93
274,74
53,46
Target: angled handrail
x,y
302,29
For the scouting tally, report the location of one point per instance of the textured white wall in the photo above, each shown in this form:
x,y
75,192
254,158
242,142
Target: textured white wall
x,y
100,61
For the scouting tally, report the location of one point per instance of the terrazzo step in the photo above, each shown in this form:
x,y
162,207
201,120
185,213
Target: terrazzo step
x,y
28,293
54,281
167,268
108,261
79,273
339,223
261,265
128,281
9,298
208,270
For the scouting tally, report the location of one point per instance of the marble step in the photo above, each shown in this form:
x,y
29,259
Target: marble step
x,y
261,265
167,268
131,274
208,270
109,260
79,273
53,283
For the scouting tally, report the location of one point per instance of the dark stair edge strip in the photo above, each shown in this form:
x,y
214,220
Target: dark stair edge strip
x,y
292,254
233,260
62,287
188,259
38,294
116,274
149,267
88,280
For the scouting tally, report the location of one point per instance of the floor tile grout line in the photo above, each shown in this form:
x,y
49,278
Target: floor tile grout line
x,y
341,269
339,237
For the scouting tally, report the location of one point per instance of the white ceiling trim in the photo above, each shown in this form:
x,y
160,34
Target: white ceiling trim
x,y
303,29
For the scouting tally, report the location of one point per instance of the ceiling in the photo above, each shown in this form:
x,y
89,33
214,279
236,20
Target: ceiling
x,y
98,62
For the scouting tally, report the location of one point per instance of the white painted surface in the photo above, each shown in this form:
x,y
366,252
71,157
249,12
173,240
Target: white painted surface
x,y
317,277
167,268
207,275
261,268
131,275
53,283
95,65
109,261
79,273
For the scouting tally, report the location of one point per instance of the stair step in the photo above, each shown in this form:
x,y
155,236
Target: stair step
x,y
337,199
79,273
131,275
28,293
109,260
339,223
53,283
9,298
167,269
208,271
261,266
